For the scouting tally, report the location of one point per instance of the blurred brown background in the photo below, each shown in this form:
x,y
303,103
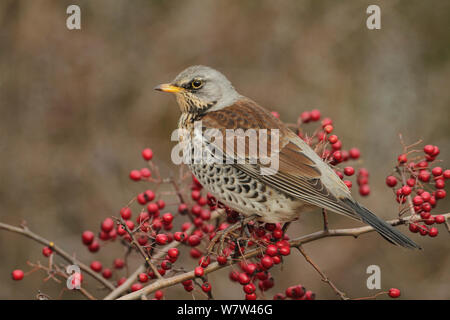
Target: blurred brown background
x,y
77,107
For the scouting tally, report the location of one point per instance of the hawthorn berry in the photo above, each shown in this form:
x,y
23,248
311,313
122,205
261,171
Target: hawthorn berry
x,y
118,263
17,275
391,181
135,175
267,262
142,277
47,251
439,219
433,232
147,154
136,287
394,293
354,153
94,246
349,171
96,266
199,271
161,239
206,287
364,190
87,237
249,288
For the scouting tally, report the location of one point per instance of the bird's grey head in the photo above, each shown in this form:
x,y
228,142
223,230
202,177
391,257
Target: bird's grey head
x,y
200,89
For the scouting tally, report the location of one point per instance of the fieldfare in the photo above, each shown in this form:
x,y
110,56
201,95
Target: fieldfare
x,y
302,180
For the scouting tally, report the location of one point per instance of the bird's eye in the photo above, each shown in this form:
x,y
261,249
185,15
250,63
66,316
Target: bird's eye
x,y
196,84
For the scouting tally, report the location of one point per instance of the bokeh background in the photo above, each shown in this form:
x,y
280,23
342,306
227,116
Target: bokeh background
x,y
77,107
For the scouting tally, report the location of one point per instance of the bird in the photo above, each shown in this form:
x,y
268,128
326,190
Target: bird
x,y
302,182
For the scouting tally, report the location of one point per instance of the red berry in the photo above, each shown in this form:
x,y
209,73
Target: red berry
x,y
47,251
423,230
364,190
94,246
309,295
402,158
147,154
121,281
314,115
440,184
446,174
391,181
417,200
194,240
149,195
354,153
328,128
433,232
146,173
125,213
267,262
107,225
394,293
413,228
251,296
159,295
87,237
348,171
243,278
406,190
333,138
440,194
195,194
428,149
136,287
161,239
17,275
206,287
118,263
285,251
199,271
96,266
424,176
204,261
222,260
272,250
107,273
439,219
167,218
437,171
135,175
173,252
249,288
143,277
305,117
326,122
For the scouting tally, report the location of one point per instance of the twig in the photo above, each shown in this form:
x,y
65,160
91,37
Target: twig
x,y
353,232
325,279
63,254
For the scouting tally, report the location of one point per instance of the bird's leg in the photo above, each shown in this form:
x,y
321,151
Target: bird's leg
x,y
221,235
325,220
285,227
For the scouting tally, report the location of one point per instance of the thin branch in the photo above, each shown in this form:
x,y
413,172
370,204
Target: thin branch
x,y
59,251
353,232
325,279
161,253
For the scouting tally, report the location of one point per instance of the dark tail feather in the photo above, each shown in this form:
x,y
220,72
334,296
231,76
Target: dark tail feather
x,y
387,231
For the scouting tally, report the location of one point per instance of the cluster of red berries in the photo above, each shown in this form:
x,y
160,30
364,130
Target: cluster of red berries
x,y
153,227
417,181
329,147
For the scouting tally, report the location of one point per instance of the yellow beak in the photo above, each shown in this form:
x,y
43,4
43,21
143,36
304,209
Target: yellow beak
x,y
167,87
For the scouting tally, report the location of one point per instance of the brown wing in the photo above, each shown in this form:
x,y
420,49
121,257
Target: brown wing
x,y
300,169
